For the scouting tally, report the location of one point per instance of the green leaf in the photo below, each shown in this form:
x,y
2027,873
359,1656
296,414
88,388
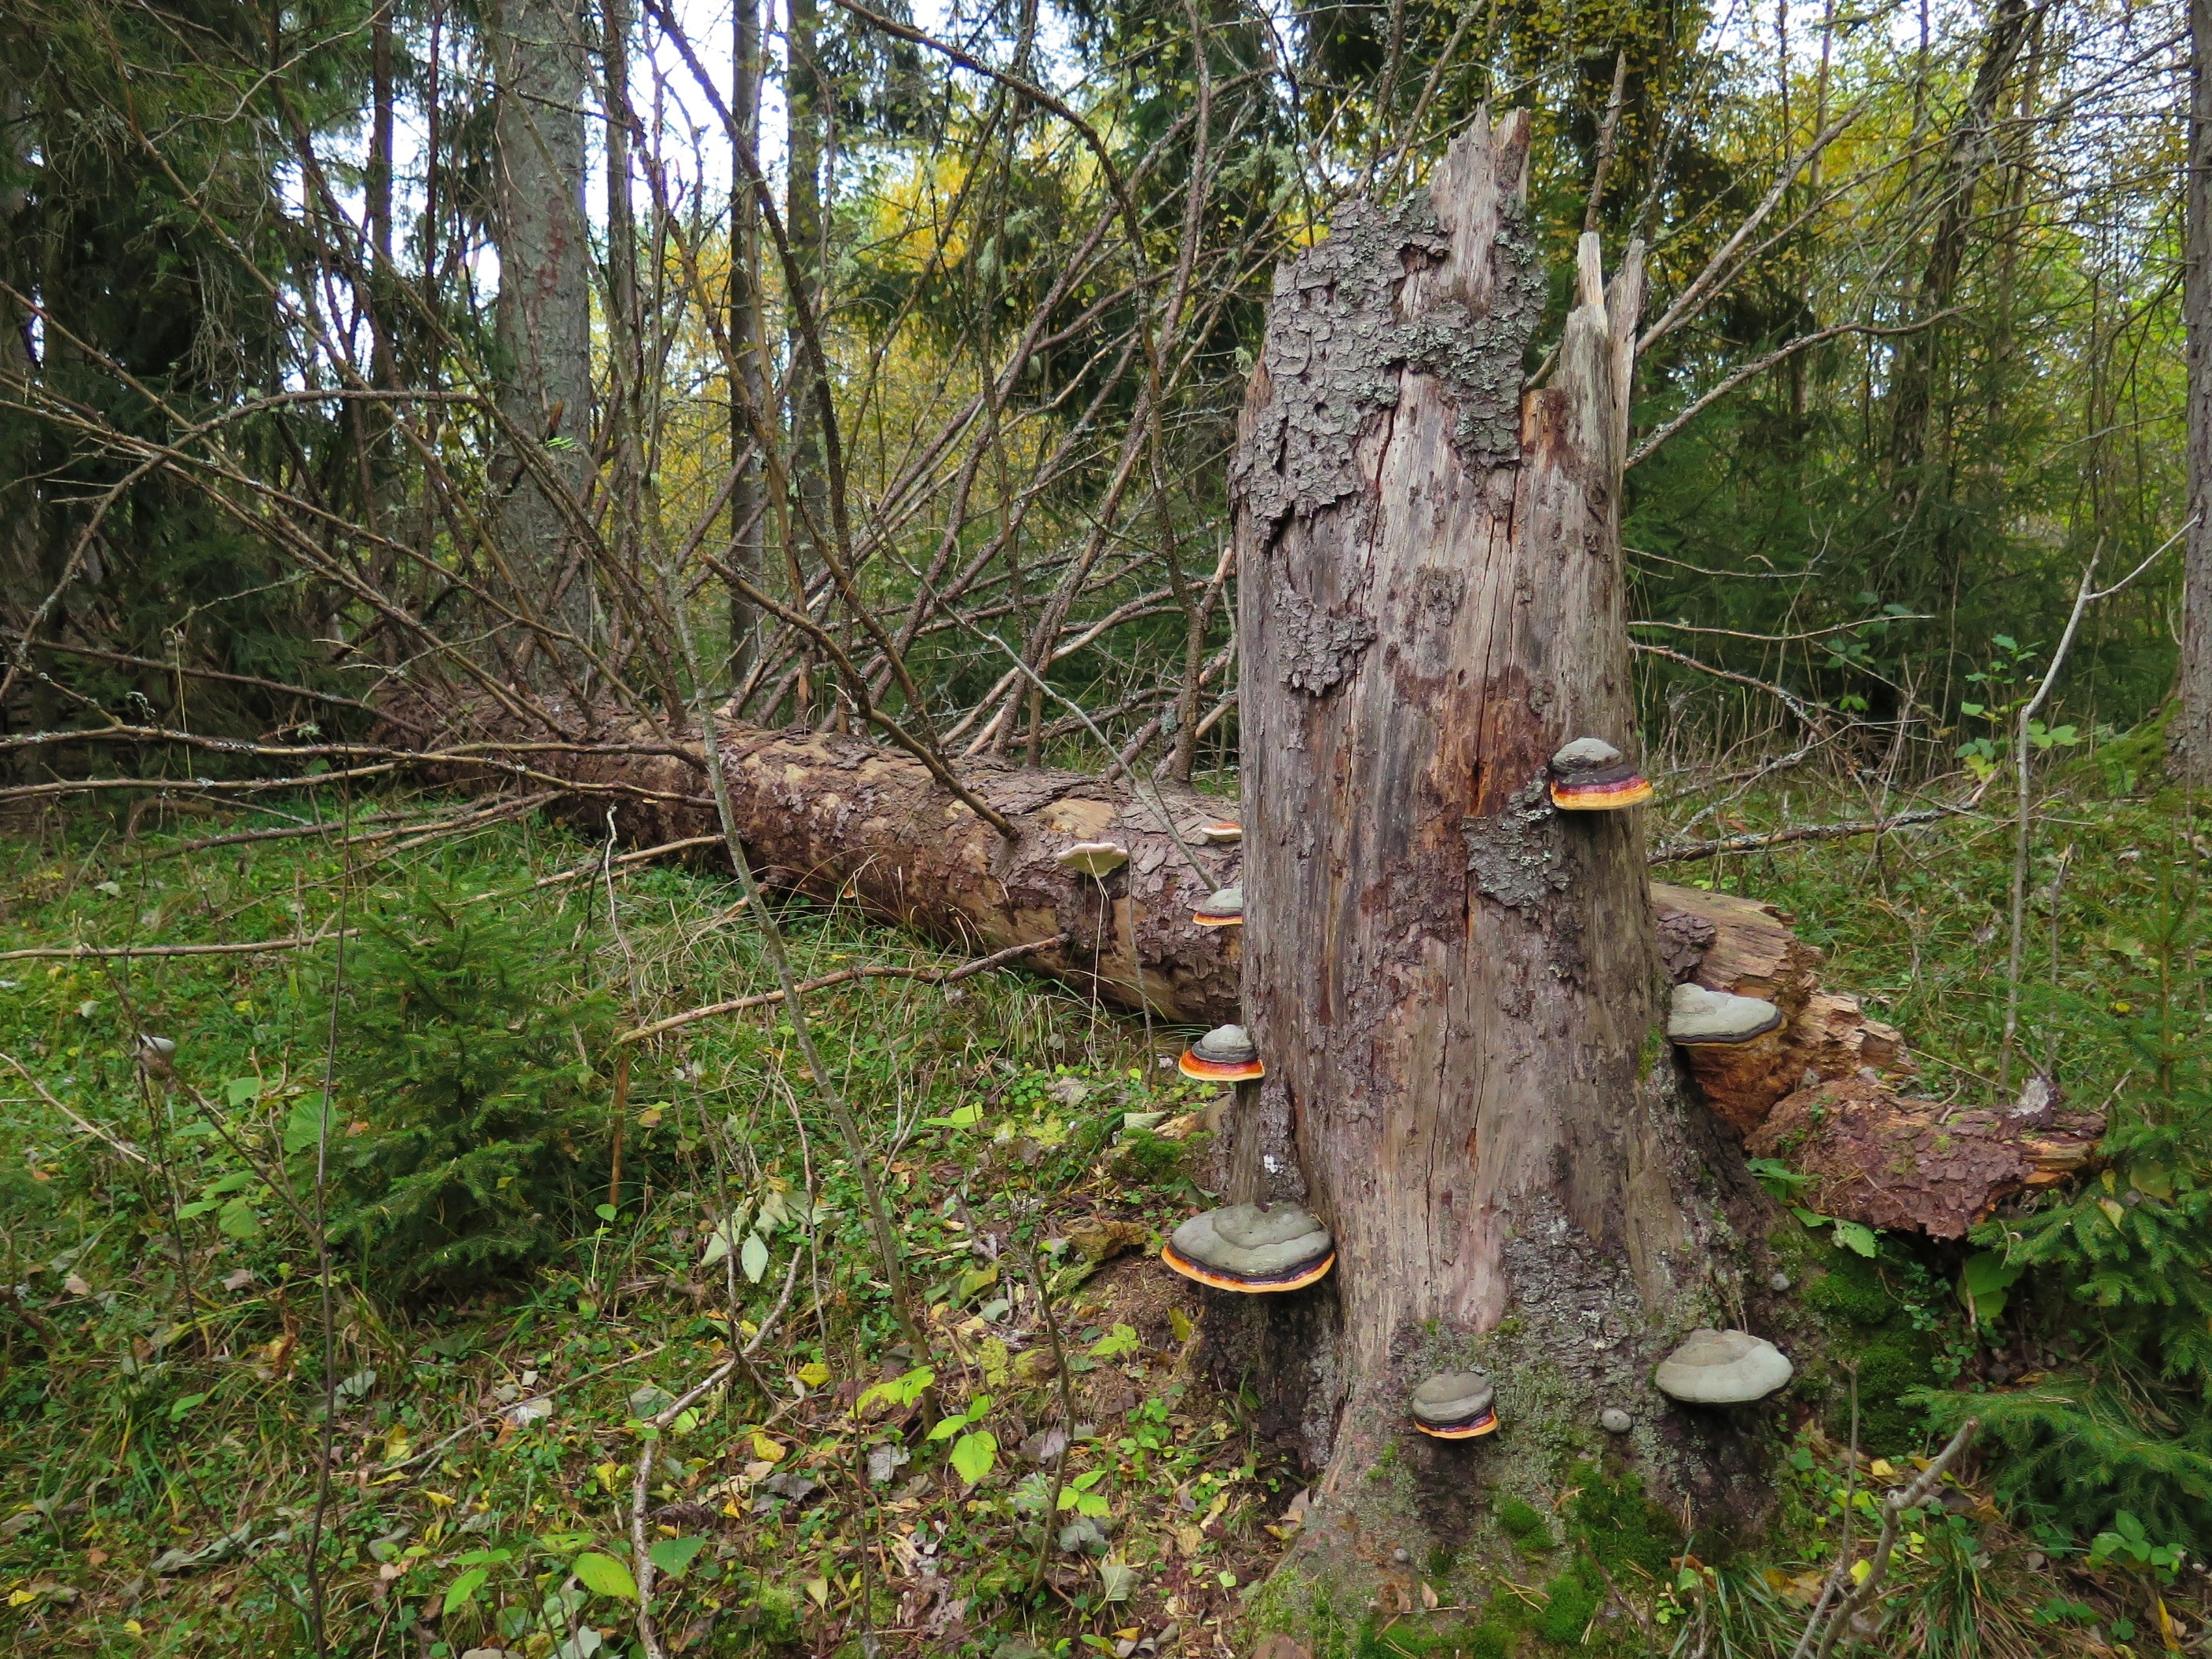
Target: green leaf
x,y
1123,1339
974,1456
604,1211
178,1408
1855,1236
673,1556
753,1257
303,1125
1807,1217
1983,1284
240,1220
603,1574
961,1117
899,1391
197,1208
463,1590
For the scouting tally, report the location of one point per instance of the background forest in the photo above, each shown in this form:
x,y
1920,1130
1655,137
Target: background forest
x,y
388,1268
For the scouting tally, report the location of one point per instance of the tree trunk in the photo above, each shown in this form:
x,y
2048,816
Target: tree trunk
x,y
2190,737
1455,989
806,514
748,383
543,316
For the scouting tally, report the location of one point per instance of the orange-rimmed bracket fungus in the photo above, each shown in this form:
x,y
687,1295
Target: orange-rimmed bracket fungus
x,y
1225,1054
1699,1018
1098,859
1221,832
1721,1368
1252,1248
1223,908
1589,775
1456,1406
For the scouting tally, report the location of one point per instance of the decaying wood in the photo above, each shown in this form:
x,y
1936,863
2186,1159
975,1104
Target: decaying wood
x,y
1726,943
1918,1165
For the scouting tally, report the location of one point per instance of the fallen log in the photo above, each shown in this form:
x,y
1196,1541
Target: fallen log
x,y
847,820
1918,1165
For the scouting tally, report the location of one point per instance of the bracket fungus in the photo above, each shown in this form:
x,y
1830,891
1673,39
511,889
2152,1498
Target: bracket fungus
x,y
1221,832
1252,1248
1225,1054
1224,908
1721,1368
1100,859
1456,1406
1589,775
1700,1019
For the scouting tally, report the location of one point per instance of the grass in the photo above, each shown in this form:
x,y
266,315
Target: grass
x,y
162,1414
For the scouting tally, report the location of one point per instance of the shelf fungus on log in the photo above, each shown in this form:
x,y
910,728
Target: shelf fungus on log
x,y
1225,1054
1100,859
1721,1368
1589,775
1252,1248
1722,942
1224,908
1699,1018
1221,832
1456,1406
1881,1158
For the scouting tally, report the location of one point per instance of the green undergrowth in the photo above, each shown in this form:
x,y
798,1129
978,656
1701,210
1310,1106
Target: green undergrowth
x,y
539,1235
525,1276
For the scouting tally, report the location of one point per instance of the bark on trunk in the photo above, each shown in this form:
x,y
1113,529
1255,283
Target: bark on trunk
x,y
1456,990
2190,738
543,312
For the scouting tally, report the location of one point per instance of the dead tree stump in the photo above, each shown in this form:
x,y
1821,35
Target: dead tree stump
x,y
1457,989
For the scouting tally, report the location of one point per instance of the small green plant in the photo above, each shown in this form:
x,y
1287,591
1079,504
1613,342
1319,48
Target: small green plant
x,y
2008,685
469,1140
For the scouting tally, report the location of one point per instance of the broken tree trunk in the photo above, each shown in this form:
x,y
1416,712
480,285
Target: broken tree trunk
x,y
1455,988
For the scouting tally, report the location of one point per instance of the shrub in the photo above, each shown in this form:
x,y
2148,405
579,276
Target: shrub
x,y
470,1129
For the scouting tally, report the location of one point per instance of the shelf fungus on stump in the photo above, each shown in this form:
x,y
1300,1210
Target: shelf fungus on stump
x,y
1721,1368
1223,908
1225,1054
1699,1018
1252,1248
1456,1406
1221,832
1589,775
1100,859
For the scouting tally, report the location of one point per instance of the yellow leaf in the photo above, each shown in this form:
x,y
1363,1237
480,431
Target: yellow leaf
x,y
440,1500
1860,1569
650,1117
772,1451
395,1444
1181,1323
814,1373
608,1473
133,1627
1882,1469
2113,1212
818,1589
18,1598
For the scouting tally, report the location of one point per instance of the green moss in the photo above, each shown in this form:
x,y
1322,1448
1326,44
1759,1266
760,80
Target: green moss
x,y
1852,1290
1570,1602
1615,1522
1524,1524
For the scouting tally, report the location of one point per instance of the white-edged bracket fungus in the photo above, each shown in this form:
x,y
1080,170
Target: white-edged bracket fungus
x,y
1456,1406
1100,859
1252,1248
1699,1018
1224,908
1721,1368
1225,1054
1589,775
1221,832
156,1048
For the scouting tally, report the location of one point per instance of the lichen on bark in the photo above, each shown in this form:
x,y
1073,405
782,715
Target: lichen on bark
x,y
1519,856
1336,343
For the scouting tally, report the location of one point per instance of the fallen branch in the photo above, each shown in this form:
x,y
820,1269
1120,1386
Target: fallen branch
x,y
1845,1614
1753,840
238,948
845,976
122,1148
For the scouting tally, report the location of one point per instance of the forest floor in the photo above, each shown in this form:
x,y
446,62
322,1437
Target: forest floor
x,y
172,1374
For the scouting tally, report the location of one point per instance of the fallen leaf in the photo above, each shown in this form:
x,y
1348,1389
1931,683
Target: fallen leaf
x,y
75,1285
